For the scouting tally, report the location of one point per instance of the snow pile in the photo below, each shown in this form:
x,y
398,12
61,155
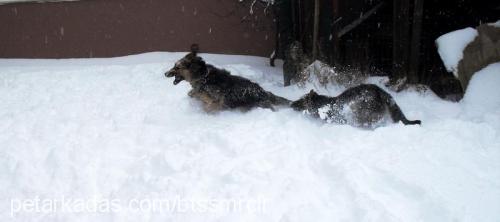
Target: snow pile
x,y
117,129
483,92
451,47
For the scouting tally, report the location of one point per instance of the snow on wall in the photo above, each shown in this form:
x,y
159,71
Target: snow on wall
x,y
451,47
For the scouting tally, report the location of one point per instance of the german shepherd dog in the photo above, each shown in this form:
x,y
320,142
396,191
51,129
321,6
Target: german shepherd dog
x,y
365,105
217,89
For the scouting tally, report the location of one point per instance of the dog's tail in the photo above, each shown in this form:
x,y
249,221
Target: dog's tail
x,y
396,113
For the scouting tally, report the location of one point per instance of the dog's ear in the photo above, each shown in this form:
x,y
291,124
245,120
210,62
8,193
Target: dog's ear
x,y
197,63
198,60
195,48
312,92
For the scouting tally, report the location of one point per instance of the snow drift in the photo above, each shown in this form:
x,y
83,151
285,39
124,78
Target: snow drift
x,y
483,93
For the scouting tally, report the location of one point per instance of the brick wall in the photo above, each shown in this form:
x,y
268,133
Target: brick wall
x,y
107,28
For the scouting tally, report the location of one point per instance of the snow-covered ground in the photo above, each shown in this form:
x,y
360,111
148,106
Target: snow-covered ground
x,y
117,130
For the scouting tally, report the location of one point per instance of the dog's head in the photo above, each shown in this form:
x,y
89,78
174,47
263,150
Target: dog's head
x,y
190,68
307,102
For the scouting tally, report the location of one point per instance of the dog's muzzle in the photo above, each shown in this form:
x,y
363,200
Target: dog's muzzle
x,y
178,79
172,73
169,74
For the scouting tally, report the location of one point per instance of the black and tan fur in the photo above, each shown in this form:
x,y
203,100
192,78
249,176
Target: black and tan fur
x,y
217,89
364,106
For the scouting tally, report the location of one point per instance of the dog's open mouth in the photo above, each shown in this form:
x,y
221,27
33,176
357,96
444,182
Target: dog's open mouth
x,y
178,79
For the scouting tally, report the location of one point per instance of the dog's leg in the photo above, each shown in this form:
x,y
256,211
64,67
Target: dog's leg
x,y
267,105
212,107
192,93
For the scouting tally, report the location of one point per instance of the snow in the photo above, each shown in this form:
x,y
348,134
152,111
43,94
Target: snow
x,y
322,75
483,93
496,24
451,46
117,129
323,112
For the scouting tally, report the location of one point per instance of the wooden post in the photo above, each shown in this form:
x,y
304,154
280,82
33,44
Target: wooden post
x,y
315,30
334,59
300,21
400,42
413,72
405,35
294,18
396,39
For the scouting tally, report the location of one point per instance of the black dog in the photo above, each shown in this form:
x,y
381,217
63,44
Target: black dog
x,y
362,106
218,89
